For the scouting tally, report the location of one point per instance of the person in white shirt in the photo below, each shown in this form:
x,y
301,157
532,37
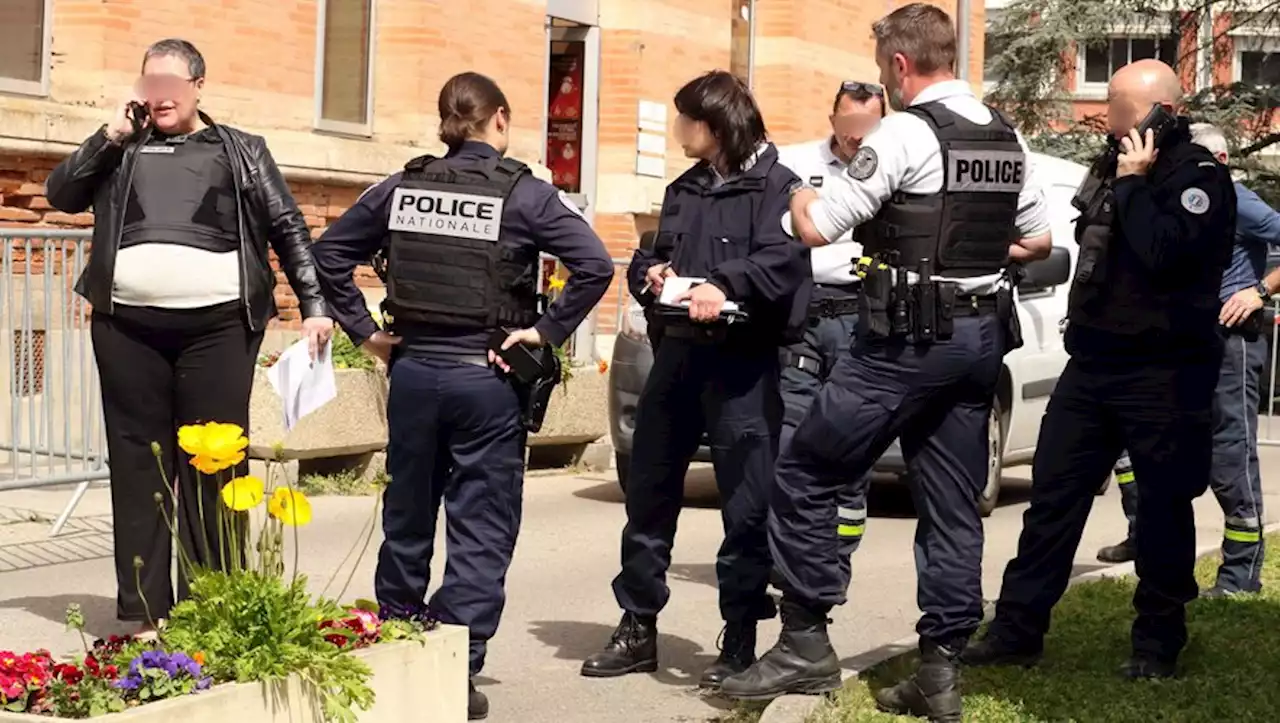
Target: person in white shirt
x,y
833,313
944,192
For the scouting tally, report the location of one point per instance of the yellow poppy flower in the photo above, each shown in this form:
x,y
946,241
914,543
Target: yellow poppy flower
x,y
290,507
214,446
243,493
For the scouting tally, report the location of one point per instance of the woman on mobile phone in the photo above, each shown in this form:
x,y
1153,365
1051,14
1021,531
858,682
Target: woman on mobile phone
x,y
182,290
723,222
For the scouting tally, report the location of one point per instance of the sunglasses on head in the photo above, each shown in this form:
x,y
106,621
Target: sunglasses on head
x,y
857,86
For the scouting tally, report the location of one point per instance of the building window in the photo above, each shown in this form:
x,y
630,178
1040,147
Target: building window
x,y
24,46
1257,63
742,40
1102,60
993,46
344,81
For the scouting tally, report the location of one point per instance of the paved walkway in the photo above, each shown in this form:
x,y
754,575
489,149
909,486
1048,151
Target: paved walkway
x,y
560,607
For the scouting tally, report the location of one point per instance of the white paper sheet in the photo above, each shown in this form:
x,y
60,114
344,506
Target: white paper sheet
x,y
303,386
674,286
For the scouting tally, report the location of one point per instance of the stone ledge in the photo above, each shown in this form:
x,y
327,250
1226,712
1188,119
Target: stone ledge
x,y
411,681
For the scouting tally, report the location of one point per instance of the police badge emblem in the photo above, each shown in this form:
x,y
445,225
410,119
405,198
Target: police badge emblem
x,y
863,165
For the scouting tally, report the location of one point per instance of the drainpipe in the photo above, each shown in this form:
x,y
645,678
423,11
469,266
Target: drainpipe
x,y
962,39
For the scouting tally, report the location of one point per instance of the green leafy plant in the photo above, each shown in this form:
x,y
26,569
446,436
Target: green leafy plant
x,y
252,626
347,355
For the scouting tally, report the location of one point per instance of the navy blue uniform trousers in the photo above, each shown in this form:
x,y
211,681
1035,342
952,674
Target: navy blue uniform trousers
x,y
1235,479
936,399
454,435
731,392
826,340
1162,414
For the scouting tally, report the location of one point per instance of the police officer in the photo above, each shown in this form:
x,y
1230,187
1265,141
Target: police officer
x,y
944,184
1236,480
722,221
462,236
1145,352
833,312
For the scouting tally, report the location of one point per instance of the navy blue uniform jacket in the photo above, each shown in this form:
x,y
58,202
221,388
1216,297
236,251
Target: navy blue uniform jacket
x,y
536,214
734,236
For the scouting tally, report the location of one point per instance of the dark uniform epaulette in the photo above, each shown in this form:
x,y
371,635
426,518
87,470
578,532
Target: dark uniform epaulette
x,y
417,164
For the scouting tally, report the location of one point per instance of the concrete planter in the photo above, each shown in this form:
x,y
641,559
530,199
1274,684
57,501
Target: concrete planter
x,y
412,682
579,410
354,423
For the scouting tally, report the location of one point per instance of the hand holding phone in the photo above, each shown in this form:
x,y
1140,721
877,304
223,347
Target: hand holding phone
x,y
1139,149
130,118
514,353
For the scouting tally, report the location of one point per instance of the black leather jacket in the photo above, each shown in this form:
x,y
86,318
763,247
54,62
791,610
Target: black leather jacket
x,y
99,173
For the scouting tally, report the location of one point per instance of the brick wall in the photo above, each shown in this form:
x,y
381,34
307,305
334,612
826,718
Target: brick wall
x,y
261,57
22,203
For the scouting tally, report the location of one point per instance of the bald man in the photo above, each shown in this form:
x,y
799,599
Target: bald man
x,y
1155,234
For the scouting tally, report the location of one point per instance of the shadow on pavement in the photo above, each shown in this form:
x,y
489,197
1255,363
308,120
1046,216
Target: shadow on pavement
x,y
681,661
704,573
99,612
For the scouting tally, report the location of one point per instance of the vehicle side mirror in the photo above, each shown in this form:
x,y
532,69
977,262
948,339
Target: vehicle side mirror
x,y
1046,273
647,240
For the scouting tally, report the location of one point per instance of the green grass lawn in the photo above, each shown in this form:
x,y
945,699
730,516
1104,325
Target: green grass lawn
x,y
1230,670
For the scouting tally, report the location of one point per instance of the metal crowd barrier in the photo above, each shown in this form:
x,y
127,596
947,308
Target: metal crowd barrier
x,y
51,429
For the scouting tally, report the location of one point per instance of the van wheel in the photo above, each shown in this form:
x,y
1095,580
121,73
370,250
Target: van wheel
x,y
623,463
995,460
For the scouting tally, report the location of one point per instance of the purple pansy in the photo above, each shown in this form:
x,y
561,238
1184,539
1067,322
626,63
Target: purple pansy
x,y
173,664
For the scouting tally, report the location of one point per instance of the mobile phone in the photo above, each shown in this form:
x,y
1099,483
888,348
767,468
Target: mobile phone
x,y
525,365
1160,122
138,114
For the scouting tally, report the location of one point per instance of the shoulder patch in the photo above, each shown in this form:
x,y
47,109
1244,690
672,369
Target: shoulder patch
x,y
864,164
568,203
1207,164
786,223
1195,201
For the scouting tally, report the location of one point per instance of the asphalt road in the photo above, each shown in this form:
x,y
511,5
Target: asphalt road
x,y
560,607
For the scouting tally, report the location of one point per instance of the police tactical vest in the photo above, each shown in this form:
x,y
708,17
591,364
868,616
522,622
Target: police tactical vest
x,y
966,227
447,262
1122,296
183,192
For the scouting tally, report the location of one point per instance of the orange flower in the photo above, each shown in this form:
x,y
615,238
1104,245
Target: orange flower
x,y
198,657
603,366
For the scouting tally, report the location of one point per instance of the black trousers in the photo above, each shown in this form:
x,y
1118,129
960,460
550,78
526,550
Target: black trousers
x,y
732,395
1162,414
161,369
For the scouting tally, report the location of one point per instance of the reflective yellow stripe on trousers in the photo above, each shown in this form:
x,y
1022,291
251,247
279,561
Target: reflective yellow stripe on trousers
x,y
853,522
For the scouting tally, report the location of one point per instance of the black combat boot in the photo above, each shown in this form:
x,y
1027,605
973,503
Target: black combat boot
x,y
995,650
933,692
801,662
632,649
737,653
1142,666
477,704
1126,551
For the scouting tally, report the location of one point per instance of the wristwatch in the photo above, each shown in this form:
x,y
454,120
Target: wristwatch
x,y
1263,292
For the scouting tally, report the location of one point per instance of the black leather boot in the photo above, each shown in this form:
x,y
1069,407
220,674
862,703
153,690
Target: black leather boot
x,y
933,692
994,650
632,649
1126,551
737,653
477,704
802,661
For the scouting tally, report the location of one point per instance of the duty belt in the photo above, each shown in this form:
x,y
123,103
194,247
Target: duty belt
x,y
831,308
974,306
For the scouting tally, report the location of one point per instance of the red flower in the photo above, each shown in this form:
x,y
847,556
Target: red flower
x,y
338,640
11,688
69,674
111,672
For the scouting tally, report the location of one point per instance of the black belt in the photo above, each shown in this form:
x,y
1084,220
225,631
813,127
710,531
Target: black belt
x,y
831,308
974,306
477,360
804,363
